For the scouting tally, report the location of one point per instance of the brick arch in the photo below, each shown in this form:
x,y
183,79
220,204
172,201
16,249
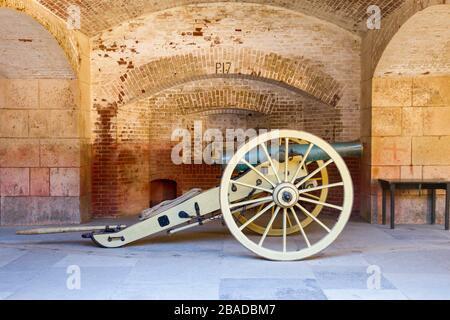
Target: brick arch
x,y
55,26
297,74
225,98
102,15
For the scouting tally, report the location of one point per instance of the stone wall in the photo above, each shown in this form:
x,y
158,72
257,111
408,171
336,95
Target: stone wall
x,y
411,112
44,147
40,153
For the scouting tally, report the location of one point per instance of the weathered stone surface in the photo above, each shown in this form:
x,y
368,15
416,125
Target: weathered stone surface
x,y
64,124
39,123
58,94
40,210
60,153
411,172
387,122
14,181
411,208
13,123
436,172
412,122
436,121
391,151
19,153
65,182
431,151
2,93
40,182
431,91
54,123
22,94
85,181
392,92
386,172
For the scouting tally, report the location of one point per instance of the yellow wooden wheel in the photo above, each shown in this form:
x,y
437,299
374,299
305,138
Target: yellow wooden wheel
x,y
286,193
293,227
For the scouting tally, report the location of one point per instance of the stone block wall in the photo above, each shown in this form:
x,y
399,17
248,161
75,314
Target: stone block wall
x,y
41,166
411,139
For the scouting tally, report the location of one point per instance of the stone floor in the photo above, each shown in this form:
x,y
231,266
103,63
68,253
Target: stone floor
x,y
207,263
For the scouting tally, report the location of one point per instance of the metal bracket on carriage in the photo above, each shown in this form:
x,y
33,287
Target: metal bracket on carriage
x,y
107,229
198,217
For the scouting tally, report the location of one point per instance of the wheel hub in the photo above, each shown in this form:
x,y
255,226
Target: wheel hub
x,y
286,195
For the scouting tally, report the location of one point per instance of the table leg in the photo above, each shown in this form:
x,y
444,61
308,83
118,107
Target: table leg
x,y
447,208
392,206
433,206
384,206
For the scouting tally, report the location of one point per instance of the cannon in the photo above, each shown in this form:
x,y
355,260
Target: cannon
x,y
274,196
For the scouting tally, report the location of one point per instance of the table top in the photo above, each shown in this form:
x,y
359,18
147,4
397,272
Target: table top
x,y
414,181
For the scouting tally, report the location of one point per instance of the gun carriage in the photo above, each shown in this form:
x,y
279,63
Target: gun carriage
x,y
273,192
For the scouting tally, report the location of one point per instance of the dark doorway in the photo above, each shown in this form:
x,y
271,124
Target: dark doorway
x,y
162,190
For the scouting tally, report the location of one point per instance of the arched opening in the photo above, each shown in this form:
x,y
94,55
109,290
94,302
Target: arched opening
x,y
40,164
411,110
146,129
162,190
137,88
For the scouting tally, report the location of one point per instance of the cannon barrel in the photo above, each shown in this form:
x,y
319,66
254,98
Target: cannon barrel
x,y
345,149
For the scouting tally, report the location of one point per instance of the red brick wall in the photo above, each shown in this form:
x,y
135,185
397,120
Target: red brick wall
x,y
146,86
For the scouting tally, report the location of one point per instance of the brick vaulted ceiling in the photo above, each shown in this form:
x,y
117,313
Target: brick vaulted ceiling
x,y
99,15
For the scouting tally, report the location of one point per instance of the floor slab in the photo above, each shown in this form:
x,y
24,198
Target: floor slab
x,y
412,262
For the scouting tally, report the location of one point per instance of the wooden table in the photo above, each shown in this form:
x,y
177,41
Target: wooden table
x,y
433,185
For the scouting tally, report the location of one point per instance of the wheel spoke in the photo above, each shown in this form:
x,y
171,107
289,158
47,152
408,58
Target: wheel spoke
x,y
312,174
289,221
321,203
247,208
252,187
269,226
275,170
322,187
244,203
301,228
312,196
257,216
257,172
302,163
286,159
312,217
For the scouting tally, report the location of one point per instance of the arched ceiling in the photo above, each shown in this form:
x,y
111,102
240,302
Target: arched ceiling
x,y
421,47
28,50
99,15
